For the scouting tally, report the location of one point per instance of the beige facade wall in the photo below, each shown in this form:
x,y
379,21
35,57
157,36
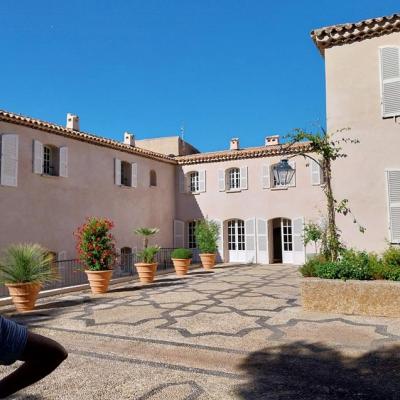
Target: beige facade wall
x,y
353,96
47,209
172,145
303,200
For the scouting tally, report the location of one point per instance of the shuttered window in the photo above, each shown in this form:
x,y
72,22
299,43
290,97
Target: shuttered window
x,y
393,182
390,80
9,160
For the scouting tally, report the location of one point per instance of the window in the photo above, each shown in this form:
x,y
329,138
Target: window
x,y
287,235
194,182
233,178
191,235
126,258
9,160
153,178
50,160
236,237
126,173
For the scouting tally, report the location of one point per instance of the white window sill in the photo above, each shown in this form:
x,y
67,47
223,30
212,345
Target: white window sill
x,y
280,188
233,190
49,176
126,187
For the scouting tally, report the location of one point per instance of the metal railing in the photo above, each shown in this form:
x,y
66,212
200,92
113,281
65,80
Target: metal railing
x,y
71,272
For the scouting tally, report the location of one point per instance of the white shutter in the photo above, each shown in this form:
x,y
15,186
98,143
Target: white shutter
x,y
250,239
390,80
292,183
221,180
202,181
266,178
9,160
179,233
316,173
220,241
262,241
393,181
181,181
117,171
134,177
298,244
62,256
63,170
243,178
37,157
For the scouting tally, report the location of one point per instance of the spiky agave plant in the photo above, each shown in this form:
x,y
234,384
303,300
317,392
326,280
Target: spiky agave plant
x,y
146,233
26,263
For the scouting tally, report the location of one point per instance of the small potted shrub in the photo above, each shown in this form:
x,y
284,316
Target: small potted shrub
x,y
96,250
181,259
147,266
206,233
24,269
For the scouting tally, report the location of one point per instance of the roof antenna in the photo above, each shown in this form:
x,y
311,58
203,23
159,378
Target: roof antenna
x,y
182,130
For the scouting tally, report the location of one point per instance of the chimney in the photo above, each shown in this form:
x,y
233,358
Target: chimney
x,y
272,140
129,139
72,122
234,145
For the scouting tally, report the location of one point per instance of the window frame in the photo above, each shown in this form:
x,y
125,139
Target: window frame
x,y
153,178
126,174
191,229
194,181
233,177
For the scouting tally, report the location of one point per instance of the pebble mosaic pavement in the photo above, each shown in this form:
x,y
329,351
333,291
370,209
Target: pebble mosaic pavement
x,y
237,332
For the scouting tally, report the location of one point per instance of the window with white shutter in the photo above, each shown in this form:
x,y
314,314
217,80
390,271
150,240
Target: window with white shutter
x,y
221,180
117,171
266,177
134,175
292,182
390,80
179,233
393,184
243,178
63,162
9,160
316,173
202,181
38,157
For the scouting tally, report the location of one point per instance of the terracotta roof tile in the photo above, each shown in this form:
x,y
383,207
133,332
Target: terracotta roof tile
x,y
251,152
82,136
352,32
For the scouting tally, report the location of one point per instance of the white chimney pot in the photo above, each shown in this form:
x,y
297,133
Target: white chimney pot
x,y
129,139
234,144
72,122
272,140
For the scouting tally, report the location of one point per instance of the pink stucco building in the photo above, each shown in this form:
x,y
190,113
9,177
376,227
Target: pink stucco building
x,y
52,177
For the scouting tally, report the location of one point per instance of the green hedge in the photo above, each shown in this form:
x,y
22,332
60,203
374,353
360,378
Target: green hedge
x,y
358,265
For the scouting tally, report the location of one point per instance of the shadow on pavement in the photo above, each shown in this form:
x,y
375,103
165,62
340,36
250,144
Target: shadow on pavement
x,y
157,284
200,273
312,371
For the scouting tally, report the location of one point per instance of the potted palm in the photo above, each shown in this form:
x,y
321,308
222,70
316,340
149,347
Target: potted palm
x,y
206,233
146,233
96,250
24,269
181,259
147,266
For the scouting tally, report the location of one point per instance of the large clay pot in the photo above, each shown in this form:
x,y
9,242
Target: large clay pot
x,y
208,260
181,265
24,295
99,280
146,271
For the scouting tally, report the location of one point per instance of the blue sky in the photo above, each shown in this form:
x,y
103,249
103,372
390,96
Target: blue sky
x,y
224,68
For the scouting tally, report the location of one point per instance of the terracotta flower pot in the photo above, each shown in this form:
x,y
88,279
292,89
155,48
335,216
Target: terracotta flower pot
x,y
146,272
181,265
208,260
24,295
99,280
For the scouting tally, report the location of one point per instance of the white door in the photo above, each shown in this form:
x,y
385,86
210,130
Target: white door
x,y
287,241
299,254
236,241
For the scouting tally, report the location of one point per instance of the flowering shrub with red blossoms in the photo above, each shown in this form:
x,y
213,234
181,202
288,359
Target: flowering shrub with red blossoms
x,y
95,244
